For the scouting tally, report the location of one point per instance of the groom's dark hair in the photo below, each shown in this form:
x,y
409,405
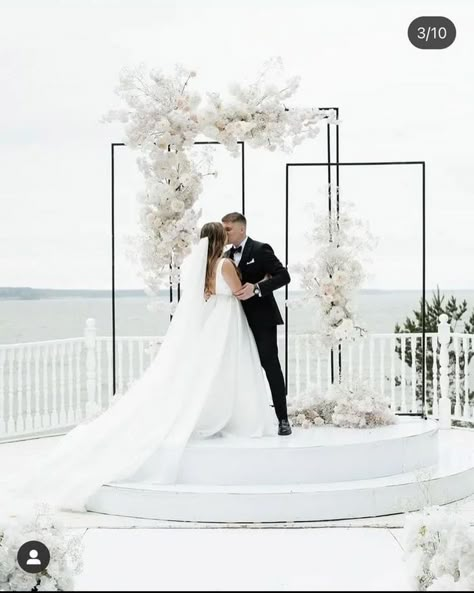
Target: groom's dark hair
x,y
235,217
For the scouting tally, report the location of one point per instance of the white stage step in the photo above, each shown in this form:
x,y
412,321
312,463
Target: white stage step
x,y
450,479
317,455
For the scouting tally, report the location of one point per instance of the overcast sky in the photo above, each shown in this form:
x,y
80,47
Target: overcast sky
x,y
59,65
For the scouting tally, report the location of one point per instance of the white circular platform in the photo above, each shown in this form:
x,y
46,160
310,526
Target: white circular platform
x,y
316,455
316,474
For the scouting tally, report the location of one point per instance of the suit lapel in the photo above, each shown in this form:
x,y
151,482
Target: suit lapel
x,y
246,253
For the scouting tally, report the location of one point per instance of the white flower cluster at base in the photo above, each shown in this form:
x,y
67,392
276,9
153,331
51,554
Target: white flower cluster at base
x,y
65,551
348,406
439,550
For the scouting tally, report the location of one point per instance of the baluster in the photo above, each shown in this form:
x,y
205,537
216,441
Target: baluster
x,y
141,350
11,419
297,368
3,404
99,393
382,366
308,363
403,407
46,422
444,336
371,362
414,403
361,354
393,403
110,372
91,345
37,414
131,353
120,365
55,391
457,375
78,413
425,371
20,420
62,385
350,350
434,370
318,372
466,410
328,372
29,414
70,391
472,406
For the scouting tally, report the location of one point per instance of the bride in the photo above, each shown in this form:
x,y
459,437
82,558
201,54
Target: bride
x,y
206,380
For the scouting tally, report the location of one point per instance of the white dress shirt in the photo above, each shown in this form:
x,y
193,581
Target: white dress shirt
x,y
238,256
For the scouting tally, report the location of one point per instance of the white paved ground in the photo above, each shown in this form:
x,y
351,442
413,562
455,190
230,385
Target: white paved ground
x,y
123,554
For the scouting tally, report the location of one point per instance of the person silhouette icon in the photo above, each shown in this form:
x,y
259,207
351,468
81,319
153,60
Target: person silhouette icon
x,y
33,559
33,556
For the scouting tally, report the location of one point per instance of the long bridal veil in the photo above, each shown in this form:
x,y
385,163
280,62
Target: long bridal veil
x,y
155,416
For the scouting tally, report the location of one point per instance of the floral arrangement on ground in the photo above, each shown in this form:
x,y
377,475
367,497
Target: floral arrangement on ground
x,y
439,550
66,554
355,405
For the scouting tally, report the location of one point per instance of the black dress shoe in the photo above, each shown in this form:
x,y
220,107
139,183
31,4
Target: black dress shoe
x,y
284,428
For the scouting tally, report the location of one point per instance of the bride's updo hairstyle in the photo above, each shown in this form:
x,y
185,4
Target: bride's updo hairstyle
x,y
217,241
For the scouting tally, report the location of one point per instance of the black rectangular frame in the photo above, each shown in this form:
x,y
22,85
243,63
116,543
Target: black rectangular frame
x,y
423,234
112,147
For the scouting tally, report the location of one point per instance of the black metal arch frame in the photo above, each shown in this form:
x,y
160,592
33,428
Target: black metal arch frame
x,y
423,264
112,156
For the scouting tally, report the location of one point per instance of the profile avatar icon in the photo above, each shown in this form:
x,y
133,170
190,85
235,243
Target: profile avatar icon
x,y
33,557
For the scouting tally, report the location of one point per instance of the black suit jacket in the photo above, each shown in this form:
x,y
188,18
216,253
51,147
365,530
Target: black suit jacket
x,y
258,259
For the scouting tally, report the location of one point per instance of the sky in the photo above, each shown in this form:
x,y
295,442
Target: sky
x,y
59,65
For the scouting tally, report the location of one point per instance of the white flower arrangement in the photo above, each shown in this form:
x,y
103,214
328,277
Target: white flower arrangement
x,y
355,406
360,406
163,118
66,554
439,550
312,408
333,274
305,416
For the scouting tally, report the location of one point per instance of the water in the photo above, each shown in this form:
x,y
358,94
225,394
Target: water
x,y
50,319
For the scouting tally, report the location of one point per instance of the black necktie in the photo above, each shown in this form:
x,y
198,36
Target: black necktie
x,y
235,250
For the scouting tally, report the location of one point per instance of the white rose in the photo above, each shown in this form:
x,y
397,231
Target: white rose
x,y
177,205
336,314
339,278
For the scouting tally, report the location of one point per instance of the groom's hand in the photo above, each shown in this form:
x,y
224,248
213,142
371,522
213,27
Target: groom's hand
x,y
246,292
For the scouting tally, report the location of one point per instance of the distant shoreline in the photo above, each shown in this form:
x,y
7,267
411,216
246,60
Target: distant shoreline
x,y
26,293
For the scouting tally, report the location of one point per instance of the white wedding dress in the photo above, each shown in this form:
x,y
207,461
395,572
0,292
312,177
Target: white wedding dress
x,y
205,380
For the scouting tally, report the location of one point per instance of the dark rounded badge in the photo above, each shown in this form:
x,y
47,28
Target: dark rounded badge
x,y
33,557
432,32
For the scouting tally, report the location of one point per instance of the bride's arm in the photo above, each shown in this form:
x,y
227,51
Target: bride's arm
x,y
230,275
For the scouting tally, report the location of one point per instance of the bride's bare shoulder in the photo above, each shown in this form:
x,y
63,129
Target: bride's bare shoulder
x,y
228,265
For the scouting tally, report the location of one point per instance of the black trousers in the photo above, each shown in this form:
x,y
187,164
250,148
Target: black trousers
x,y
266,339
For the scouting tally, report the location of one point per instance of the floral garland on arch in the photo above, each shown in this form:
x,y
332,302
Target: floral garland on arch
x,y
334,273
163,118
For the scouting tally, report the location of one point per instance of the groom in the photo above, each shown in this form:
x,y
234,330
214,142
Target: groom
x,y
255,261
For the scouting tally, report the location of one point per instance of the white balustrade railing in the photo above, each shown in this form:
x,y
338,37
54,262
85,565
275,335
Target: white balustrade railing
x,y
50,386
